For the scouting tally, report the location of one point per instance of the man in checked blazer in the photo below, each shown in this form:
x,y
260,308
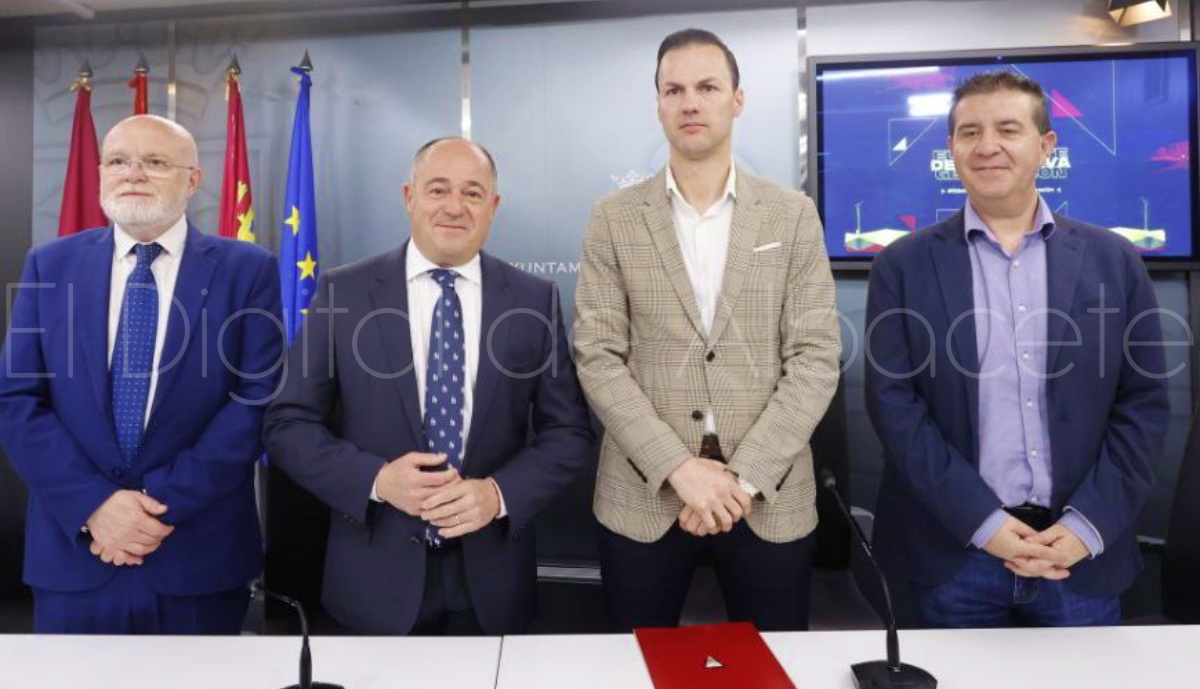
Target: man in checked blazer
x,y
708,345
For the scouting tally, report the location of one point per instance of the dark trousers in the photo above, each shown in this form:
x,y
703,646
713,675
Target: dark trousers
x,y
446,608
127,605
762,582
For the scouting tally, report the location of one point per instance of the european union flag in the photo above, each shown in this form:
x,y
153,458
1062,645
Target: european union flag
x,y
298,246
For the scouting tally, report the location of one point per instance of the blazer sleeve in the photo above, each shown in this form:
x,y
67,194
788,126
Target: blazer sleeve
x,y
942,479
221,458
602,347
296,430
54,467
562,432
1114,490
810,342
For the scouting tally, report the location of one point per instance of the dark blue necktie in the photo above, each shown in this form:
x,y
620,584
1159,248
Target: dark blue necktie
x,y
445,378
133,353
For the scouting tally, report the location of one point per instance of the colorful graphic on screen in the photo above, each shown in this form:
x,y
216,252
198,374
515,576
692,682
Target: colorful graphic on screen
x,y
1126,134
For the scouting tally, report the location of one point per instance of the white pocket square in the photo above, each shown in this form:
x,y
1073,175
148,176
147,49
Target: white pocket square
x,y
768,247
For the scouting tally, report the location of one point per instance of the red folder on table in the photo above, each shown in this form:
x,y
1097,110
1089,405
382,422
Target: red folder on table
x,y
710,656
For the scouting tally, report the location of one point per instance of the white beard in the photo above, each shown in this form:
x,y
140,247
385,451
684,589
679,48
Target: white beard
x,y
157,211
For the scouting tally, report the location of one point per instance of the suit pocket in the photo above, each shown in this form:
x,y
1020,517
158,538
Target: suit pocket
x,y
636,470
344,526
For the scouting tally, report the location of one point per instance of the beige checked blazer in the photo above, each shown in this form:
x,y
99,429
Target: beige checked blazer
x,y
767,369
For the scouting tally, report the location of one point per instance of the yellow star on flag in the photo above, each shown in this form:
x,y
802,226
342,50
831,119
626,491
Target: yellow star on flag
x,y
308,267
294,221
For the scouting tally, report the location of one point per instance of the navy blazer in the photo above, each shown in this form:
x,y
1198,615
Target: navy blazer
x,y
349,404
202,440
1107,408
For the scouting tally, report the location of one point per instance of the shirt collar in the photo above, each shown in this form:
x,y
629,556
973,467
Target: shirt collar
x,y
730,183
171,241
416,265
1043,221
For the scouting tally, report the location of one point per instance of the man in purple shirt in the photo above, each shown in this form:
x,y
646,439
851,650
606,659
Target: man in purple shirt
x,y
1016,380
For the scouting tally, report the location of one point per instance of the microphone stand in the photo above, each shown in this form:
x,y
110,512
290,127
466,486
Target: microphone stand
x,y
880,674
306,681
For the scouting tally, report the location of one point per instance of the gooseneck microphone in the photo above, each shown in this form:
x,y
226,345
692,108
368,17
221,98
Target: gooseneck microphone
x,y
305,654
879,674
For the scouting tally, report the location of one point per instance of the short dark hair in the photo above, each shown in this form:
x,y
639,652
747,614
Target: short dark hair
x,y
420,154
1003,80
686,37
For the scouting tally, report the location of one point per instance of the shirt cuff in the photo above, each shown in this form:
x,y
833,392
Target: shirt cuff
x,y
374,493
499,494
1079,525
989,528
748,487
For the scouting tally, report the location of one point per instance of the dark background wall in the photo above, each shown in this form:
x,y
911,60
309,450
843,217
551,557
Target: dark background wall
x,y
16,199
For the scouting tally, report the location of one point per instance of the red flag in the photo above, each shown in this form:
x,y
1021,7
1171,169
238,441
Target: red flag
x,y
237,215
141,103
81,187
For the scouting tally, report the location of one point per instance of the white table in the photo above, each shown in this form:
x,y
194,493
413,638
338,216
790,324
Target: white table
x,y
234,662
1104,658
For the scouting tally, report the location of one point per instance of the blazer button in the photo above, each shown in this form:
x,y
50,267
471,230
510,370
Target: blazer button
x,y
118,473
711,356
697,415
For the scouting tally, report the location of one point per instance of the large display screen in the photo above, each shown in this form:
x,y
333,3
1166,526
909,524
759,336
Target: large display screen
x,y
1126,126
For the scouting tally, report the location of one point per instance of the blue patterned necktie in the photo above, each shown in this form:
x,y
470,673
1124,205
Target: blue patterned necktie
x,y
445,379
133,353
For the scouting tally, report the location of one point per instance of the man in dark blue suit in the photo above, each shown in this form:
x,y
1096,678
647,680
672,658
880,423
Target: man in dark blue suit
x,y
137,366
1016,380
408,405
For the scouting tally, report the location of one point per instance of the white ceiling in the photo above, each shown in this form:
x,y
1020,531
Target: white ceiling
x,y
26,8
85,9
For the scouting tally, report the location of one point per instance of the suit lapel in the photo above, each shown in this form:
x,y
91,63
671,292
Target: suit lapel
x,y
391,292
951,264
191,291
91,291
662,230
1064,258
743,233
493,343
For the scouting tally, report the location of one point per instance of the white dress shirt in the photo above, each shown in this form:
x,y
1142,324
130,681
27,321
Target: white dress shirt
x,y
165,269
704,242
423,295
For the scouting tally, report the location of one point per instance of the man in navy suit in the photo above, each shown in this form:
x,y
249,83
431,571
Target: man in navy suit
x,y
1016,381
408,405
137,366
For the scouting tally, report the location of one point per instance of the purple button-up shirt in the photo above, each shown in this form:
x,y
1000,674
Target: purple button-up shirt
x,y
1011,304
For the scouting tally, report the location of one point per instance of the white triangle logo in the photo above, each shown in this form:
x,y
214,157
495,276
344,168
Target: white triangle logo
x,y
902,146
712,663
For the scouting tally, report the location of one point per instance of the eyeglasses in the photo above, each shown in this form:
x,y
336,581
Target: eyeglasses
x,y
153,167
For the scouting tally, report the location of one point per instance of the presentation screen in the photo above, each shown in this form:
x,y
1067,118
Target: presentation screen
x,y
1126,125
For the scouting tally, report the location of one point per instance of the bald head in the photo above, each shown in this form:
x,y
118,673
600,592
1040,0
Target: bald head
x,y
173,133
453,142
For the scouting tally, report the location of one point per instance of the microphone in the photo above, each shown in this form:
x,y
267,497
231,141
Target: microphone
x,y
305,655
879,674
